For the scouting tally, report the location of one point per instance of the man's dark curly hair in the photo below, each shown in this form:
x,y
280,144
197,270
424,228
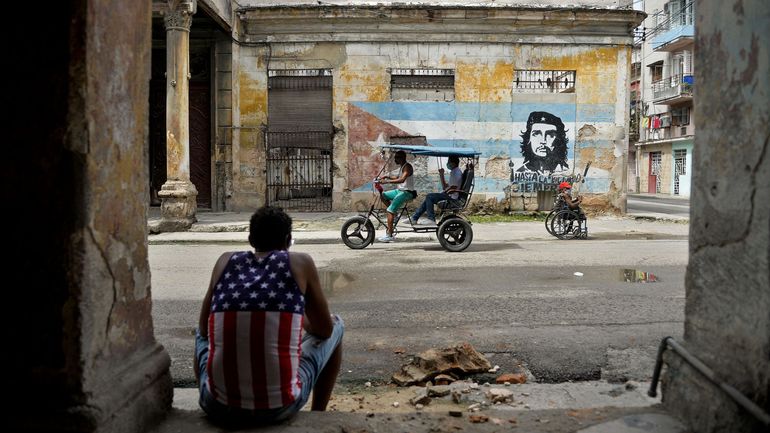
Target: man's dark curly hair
x,y
269,228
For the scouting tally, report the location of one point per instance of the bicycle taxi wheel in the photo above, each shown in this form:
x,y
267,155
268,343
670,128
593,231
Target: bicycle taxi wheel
x,y
357,232
455,234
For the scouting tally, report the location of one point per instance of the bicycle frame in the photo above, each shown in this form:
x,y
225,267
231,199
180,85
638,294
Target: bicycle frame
x,y
382,221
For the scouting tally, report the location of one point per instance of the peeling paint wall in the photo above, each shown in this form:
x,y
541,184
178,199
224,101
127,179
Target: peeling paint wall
x,y
486,114
81,257
249,117
727,325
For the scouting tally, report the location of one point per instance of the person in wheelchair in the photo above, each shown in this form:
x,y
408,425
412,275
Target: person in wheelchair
x,y
449,191
565,191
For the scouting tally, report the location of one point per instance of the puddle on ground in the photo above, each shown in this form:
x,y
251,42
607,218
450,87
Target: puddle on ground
x,y
332,281
637,276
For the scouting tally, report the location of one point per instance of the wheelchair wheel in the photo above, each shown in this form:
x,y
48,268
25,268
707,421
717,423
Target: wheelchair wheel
x,y
548,219
565,224
455,234
357,232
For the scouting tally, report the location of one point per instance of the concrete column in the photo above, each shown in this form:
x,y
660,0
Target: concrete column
x,y
178,194
727,311
83,357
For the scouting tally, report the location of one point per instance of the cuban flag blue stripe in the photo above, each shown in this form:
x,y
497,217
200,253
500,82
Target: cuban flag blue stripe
x,y
486,112
489,148
595,113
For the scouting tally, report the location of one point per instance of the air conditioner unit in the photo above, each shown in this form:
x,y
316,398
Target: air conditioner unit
x,y
683,131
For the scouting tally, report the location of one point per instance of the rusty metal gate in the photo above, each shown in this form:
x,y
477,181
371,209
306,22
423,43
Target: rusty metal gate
x,y
299,140
299,177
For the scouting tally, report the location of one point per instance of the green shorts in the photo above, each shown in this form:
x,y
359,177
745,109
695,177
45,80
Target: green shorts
x,y
397,198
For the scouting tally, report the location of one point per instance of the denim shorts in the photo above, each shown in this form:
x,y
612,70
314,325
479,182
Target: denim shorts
x,y
316,353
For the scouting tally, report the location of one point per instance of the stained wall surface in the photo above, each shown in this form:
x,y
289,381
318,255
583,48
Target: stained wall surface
x,y
486,112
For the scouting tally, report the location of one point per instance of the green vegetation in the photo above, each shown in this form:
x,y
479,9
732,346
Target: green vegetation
x,y
503,218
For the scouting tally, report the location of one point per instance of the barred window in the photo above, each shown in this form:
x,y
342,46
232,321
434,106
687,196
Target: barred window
x,y
541,81
422,84
681,116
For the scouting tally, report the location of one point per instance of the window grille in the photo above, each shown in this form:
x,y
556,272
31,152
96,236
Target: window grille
x,y
529,81
422,84
656,168
681,116
680,167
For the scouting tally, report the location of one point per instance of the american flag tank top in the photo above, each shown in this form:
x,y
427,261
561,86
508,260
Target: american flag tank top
x,y
255,330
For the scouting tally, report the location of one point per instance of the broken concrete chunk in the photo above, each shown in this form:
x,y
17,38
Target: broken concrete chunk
x,y
457,397
512,378
461,359
631,385
443,379
478,418
455,413
438,391
499,395
421,397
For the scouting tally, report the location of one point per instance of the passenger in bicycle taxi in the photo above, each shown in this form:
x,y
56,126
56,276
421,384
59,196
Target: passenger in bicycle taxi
x,y
396,198
449,191
565,191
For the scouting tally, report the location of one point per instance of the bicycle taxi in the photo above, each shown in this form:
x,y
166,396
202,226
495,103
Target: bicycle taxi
x,y
452,228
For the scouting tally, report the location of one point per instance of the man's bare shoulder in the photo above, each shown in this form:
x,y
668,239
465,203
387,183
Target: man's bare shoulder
x,y
301,259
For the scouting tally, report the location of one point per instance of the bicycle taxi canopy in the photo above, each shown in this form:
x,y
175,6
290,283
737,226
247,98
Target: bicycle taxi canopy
x,y
434,151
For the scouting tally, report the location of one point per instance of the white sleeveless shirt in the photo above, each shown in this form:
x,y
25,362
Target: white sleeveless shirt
x,y
408,184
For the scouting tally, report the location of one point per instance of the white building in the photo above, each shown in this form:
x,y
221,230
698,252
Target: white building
x,y
663,154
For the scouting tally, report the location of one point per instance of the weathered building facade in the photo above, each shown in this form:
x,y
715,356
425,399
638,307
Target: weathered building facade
x,y
302,94
665,114
444,75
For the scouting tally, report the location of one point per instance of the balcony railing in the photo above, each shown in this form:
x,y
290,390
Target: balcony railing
x,y
672,89
674,26
675,38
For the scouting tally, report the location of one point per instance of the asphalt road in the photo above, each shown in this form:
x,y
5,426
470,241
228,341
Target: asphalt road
x,y
658,206
516,302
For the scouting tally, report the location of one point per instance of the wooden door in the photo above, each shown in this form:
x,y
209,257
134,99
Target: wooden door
x,y
200,141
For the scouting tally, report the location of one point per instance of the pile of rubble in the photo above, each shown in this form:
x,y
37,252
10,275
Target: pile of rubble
x,y
440,373
444,366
